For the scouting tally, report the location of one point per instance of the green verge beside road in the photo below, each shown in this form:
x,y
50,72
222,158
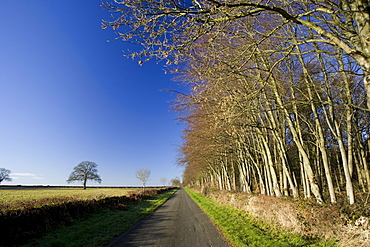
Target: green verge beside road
x,y
241,230
101,228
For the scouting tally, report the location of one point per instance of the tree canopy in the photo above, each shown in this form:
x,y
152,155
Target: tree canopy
x,y
84,171
163,181
169,29
279,91
175,182
143,175
5,175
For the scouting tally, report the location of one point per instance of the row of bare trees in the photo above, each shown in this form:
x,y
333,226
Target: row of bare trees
x,y
299,126
279,90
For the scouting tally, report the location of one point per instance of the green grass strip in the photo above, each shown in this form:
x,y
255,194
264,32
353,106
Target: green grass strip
x,y
241,230
101,228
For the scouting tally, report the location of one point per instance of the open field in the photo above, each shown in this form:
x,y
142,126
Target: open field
x,y
100,228
13,198
38,210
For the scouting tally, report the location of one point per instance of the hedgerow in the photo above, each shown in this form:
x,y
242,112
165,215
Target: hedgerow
x,y
18,226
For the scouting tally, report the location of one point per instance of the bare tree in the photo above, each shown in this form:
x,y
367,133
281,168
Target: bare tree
x,y
277,99
143,175
168,28
163,181
4,175
84,171
175,182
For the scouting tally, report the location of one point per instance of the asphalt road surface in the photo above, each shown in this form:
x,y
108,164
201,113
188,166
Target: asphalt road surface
x,y
179,223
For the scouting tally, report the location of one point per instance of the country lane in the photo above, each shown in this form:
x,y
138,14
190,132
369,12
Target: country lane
x,y
177,223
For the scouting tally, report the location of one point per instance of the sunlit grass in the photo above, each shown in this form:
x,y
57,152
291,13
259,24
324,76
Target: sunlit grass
x,y
12,198
101,228
241,230
30,193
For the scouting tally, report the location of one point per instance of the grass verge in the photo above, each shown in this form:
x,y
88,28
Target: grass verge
x,y
101,228
241,230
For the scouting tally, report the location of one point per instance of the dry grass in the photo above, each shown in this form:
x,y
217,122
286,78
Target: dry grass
x,y
22,224
348,225
14,198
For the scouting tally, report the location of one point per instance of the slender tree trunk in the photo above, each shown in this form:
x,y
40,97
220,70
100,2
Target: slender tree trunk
x,y
347,174
319,134
294,131
305,159
364,163
360,173
253,160
272,172
281,149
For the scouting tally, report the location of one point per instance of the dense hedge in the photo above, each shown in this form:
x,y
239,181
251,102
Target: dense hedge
x,y
18,226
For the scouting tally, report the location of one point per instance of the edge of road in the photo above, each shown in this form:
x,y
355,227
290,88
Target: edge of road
x,y
118,238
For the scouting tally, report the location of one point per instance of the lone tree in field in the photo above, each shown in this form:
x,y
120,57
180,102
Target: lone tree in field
x,y
163,181
143,175
4,175
84,171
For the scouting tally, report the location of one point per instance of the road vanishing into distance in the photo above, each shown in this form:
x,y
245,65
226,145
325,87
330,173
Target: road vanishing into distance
x,y
179,223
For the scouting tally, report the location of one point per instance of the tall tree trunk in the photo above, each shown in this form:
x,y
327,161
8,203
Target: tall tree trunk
x,y
305,159
281,149
297,140
269,164
365,165
319,132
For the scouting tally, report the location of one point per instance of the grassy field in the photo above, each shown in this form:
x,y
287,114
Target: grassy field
x,y
30,212
101,228
12,198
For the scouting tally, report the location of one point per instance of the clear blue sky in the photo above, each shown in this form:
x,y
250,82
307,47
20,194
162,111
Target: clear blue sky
x,y
67,96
